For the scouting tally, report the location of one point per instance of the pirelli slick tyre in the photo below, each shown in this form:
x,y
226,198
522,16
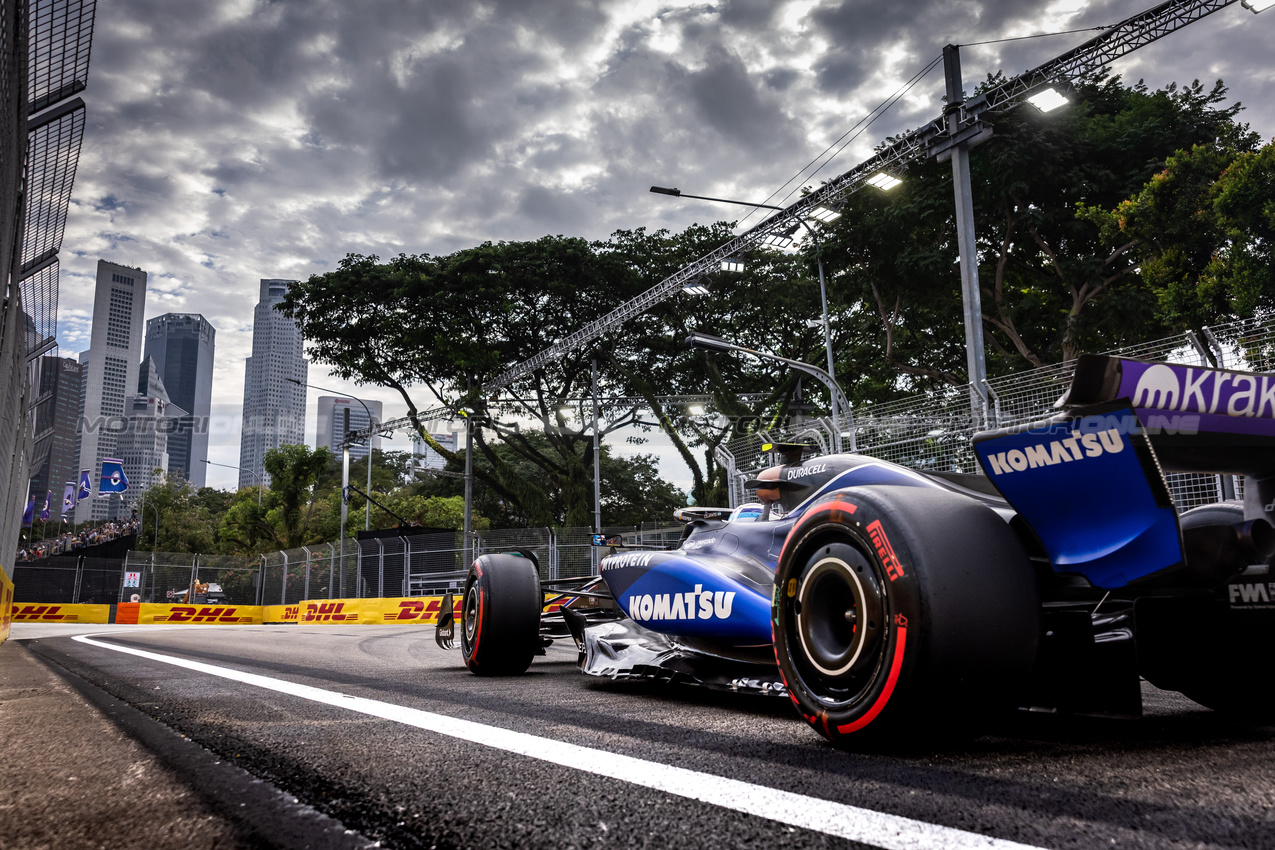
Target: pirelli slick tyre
x,y
902,614
500,615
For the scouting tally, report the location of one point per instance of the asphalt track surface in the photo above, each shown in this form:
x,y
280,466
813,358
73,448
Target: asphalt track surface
x,y
388,756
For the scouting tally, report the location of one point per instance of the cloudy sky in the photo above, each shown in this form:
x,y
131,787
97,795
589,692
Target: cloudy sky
x,y
232,140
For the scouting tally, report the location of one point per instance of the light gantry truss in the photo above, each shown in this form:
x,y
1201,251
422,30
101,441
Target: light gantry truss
x,y
933,139
444,414
930,140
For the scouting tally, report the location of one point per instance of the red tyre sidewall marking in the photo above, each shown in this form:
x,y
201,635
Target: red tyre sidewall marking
x,y
877,707
835,506
478,632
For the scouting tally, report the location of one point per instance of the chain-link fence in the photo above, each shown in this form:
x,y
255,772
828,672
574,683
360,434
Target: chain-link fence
x,y
935,431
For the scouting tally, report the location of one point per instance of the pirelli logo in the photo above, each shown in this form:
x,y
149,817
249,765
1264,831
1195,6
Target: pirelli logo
x,y
885,551
206,614
42,613
328,612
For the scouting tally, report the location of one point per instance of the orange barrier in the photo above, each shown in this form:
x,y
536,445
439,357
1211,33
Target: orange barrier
x,y
29,612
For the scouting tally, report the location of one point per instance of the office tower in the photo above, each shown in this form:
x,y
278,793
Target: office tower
x,y
182,345
57,410
109,375
143,445
425,458
273,406
332,424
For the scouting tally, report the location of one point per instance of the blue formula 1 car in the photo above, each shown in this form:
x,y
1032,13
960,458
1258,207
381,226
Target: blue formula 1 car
x,y
886,601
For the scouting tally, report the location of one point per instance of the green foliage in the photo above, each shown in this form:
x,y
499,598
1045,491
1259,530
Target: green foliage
x,y
1053,283
1200,232
187,519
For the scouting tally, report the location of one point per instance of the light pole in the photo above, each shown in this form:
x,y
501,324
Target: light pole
x,y
255,476
345,462
712,343
823,289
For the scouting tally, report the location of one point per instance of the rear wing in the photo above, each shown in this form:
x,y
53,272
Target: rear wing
x,y
1198,420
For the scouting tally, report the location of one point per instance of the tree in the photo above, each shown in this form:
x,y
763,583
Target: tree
x,y
1051,285
186,518
286,516
1200,234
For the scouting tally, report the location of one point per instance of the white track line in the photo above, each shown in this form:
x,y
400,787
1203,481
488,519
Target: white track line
x,y
879,829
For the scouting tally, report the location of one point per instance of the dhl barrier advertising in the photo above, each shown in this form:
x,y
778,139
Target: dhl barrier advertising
x,y
281,613
30,612
148,613
419,610
6,604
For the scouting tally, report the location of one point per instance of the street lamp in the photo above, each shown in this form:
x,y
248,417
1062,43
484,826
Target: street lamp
x,y
824,214
713,343
255,476
345,475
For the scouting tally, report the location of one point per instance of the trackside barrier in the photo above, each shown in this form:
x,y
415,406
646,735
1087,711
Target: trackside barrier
x,y
26,612
419,610
6,604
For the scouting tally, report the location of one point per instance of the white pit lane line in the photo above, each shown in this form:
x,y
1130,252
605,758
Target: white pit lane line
x,y
878,829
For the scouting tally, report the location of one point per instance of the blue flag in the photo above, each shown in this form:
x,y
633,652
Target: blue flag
x,y
30,511
86,487
68,498
44,514
113,478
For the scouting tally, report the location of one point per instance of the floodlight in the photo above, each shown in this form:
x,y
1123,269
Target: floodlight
x,y
1050,99
695,289
883,181
825,214
695,409
814,323
711,343
1256,6
776,240
732,264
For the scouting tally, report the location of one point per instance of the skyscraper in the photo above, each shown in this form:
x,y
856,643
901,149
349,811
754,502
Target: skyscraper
x,y
182,345
273,406
110,373
143,446
57,408
331,429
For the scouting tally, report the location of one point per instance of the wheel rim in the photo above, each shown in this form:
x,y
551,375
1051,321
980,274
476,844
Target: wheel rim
x,y
839,619
470,613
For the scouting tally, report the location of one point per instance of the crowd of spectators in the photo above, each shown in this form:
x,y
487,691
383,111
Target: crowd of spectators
x,y
68,541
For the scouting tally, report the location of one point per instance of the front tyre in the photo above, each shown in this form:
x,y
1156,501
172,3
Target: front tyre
x,y
904,612
500,615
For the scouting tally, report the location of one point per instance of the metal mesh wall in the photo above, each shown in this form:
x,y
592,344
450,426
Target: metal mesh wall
x,y
238,577
51,580
164,576
14,424
434,560
60,40
539,541
100,580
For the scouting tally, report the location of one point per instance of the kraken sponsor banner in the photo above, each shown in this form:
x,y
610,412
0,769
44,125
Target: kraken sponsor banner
x,y
6,603
281,613
29,612
222,615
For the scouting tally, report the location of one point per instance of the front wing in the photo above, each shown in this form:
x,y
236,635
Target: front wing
x,y
622,649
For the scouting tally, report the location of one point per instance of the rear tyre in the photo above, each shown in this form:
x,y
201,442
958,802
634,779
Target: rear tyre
x,y
902,614
500,615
